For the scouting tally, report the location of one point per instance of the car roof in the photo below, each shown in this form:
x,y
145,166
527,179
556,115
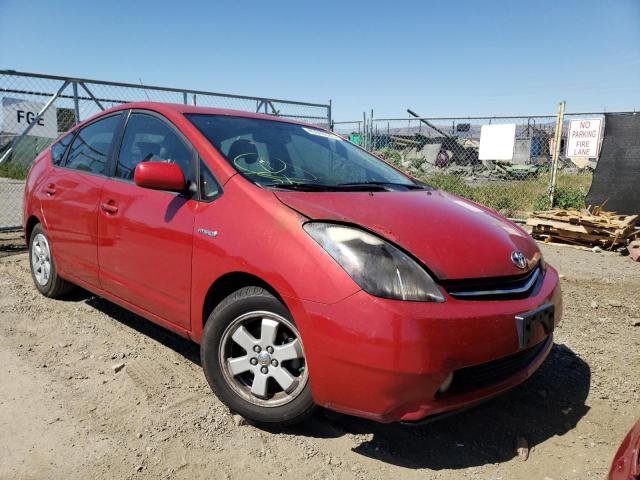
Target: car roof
x,y
170,109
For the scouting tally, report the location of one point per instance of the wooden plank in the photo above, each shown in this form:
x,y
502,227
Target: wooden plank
x,y
557,244
589,221
534,222
630,220
590,231
575,235
591,226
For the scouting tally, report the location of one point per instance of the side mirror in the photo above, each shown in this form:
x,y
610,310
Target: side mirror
x,y
160,176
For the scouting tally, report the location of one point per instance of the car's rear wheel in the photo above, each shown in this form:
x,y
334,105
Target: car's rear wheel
x,y
253,358
43,267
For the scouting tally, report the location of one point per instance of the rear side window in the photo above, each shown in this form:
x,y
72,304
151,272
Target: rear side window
x,y
58,149
89,151
149,139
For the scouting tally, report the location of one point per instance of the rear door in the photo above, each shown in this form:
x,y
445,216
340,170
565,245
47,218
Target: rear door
x,y
145,236
71,195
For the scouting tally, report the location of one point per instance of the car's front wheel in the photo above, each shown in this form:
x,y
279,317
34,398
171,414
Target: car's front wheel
x,y
43,268
254,361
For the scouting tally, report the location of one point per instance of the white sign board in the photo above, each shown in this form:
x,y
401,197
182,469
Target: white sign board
x,y
583,139
19,114
497,141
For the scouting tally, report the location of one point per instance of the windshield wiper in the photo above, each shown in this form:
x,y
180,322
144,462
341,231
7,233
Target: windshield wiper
x,y
320,187
392,185
304,187
344,187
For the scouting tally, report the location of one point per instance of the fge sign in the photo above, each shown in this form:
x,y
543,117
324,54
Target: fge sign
x,y
19,114
583,139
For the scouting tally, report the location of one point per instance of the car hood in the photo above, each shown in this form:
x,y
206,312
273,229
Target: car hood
x,y
455,238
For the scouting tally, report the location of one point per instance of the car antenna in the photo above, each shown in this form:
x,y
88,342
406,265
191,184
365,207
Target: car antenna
x,y
145,91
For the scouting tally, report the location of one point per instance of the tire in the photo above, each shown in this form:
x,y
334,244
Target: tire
x,y
253,385
43,268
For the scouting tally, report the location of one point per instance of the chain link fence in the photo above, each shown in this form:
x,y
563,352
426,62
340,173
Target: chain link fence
x,y
37,108
445,153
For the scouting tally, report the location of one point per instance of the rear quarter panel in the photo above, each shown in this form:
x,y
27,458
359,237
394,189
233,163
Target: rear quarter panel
x,y
35,178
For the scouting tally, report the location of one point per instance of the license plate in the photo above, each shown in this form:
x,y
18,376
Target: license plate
x,y
527,323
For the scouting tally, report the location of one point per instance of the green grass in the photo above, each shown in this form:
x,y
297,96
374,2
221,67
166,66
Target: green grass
x,y
513,197
516,198
10,170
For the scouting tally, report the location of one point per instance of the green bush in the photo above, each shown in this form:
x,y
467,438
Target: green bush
x,y
570,197
391,155
416,162
542,202
565,197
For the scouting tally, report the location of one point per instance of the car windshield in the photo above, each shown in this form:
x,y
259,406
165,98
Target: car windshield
x,y
287,155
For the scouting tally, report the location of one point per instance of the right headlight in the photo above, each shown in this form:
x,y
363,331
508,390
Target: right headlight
x,y
377,266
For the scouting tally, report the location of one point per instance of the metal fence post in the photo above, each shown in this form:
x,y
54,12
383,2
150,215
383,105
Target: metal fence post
x,y
184,98
372,145
329,116
556,152
91,95
76,105
364,130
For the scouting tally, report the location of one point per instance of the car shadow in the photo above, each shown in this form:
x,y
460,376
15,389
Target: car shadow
x,y
550,403
180,345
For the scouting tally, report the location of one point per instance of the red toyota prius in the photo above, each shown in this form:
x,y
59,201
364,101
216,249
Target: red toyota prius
x,y
309,271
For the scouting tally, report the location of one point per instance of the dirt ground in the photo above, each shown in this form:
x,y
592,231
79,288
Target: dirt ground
x,y
65,413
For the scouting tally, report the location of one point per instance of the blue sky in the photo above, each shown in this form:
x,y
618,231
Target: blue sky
x,y
439,58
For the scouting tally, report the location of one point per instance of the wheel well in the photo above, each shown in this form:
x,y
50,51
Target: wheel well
x,y
31,223
229,283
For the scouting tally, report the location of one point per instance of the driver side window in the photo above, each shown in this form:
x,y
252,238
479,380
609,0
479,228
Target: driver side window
x,y
149,139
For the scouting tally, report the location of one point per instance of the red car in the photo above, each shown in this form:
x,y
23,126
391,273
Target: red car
x,y
309,271
626,463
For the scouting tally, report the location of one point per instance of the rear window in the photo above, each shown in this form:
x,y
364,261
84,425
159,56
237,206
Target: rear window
x,y
90,149
58,149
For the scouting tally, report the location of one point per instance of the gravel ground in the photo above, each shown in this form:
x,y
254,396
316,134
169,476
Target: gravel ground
x,y
66,413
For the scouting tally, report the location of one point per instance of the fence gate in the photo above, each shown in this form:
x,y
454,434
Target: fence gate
x,y
36,108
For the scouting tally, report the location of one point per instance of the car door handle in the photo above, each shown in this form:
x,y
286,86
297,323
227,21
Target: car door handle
x,y
50,190
109,208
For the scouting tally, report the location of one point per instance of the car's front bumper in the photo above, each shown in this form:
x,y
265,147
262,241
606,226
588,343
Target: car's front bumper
x,y
386,359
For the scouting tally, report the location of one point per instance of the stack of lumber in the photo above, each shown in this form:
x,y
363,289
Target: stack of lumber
x,y
589,227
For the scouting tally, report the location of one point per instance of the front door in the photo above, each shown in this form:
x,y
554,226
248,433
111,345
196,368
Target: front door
x,y
145,236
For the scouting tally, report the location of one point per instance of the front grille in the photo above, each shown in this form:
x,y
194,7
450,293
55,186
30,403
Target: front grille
x,y
486,374
503,288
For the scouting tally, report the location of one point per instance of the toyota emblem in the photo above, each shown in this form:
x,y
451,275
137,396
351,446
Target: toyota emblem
x,y
519,260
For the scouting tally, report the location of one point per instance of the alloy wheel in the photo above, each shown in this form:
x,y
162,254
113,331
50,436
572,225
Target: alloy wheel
x,y
41,259
262,359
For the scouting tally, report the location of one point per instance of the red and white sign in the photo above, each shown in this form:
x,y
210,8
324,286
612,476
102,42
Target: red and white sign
x,y
583,139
